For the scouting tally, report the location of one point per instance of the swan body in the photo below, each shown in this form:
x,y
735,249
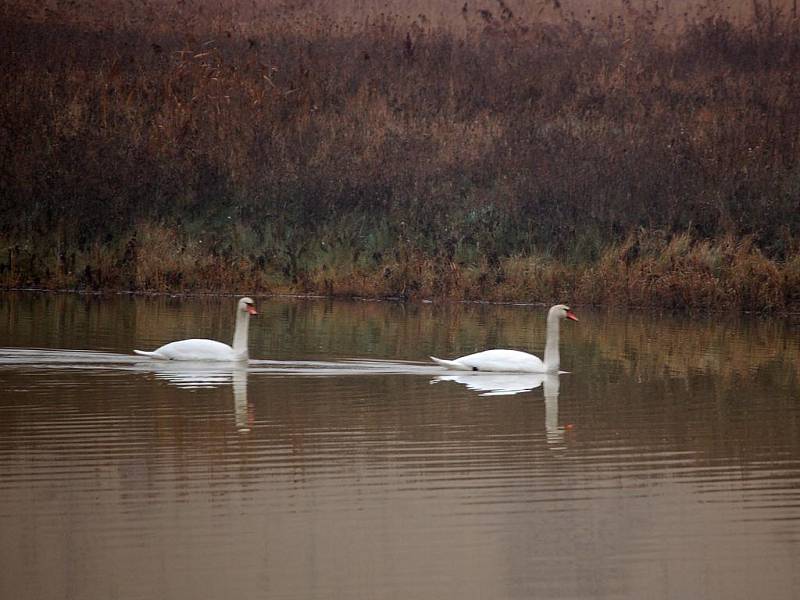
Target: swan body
x,y
210,350
511,361
514,361
194,349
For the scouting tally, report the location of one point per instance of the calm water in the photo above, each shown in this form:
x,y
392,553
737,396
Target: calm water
x,y
340,464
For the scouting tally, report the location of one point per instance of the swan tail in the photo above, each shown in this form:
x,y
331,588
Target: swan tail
x,y
150,354
451,364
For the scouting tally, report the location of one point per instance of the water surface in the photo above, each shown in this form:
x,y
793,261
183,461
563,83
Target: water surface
x,y
340,464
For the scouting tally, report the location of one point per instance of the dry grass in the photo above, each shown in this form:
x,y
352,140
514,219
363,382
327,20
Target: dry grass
x,y
501,156
685,273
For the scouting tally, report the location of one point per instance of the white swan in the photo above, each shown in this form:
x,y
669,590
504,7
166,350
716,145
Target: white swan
x,y
209,349
512,361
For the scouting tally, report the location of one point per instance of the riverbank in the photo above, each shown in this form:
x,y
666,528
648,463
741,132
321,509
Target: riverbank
x,y
501,160
645,270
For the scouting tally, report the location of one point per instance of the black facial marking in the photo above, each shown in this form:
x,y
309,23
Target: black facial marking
x,y
474,368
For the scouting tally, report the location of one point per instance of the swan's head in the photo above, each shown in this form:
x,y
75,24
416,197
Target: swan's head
x,y
562,311
247,305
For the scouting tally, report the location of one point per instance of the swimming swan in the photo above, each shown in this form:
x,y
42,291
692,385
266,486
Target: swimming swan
x,y
514,360
209,349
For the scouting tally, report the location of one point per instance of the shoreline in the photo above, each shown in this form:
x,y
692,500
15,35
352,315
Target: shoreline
x,y
520,162
646,270
787,311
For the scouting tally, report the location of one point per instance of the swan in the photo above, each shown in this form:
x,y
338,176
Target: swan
x,y
209,349
514,360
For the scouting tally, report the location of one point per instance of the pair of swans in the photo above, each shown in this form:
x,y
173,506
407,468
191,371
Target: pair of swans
x,y
505,361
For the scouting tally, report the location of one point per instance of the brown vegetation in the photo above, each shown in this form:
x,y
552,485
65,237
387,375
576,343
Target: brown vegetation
x,y
169,147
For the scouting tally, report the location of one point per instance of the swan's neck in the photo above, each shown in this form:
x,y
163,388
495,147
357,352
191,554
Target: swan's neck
x,y
240,333
551,357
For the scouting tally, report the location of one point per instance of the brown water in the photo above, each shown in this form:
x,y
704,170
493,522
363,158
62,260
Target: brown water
x,y
340,464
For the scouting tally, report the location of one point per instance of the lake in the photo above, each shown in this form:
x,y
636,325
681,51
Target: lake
x,y
340,463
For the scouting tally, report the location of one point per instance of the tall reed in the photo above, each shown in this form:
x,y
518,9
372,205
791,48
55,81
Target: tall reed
x,y
197,146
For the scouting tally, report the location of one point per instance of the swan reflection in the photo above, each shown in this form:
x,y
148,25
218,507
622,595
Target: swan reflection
x,y
198,375
509,384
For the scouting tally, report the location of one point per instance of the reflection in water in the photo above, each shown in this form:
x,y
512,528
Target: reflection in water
x,y
555,434
191,375
681,479
199,375
511,384
499,384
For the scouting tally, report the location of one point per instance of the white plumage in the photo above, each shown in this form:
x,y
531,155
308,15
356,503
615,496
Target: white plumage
x,y
201,349
514,361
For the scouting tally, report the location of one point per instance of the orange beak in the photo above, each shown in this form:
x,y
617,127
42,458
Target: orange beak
x,y
251,309
571,316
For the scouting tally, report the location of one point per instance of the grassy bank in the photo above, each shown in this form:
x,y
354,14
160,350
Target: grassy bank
x,y
167,147
643,270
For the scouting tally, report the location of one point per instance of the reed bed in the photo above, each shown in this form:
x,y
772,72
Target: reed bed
x,y
272,148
